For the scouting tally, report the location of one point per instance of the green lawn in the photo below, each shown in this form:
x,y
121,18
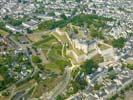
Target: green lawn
x,y
56,59
3,33
46,39
57,66
130,66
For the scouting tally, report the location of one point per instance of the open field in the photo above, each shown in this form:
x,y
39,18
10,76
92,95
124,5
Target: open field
x,y
4,97
130,61
129,95
46,39
46,86
103,46
34,37
98,58
28,84
56,60
53,51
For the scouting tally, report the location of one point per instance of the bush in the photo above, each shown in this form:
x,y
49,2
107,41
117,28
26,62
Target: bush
x,y
80,20
130,66
36,59
89,66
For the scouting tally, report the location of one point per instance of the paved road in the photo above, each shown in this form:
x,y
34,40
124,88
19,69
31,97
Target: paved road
x,y
35,70
61,86
23,94
64,83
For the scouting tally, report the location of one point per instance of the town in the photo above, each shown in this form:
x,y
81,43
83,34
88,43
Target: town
x,y
66,50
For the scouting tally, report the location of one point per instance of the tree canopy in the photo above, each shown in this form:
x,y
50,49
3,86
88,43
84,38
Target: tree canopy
x,y
36,59
89,66
119,43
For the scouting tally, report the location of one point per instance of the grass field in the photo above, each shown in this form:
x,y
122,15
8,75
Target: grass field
x,y
46,86
57,62
46,40
3,33
34,37
25,85
98,58
53,50
103,46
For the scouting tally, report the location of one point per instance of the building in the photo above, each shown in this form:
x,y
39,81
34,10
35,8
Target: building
x,y
15,29
84,45
32,24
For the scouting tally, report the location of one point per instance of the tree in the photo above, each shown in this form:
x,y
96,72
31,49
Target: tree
x,y
130,66
97,86
36,59
119,43
59,97
112,75
63,16
46,25
2,24
15,22
51,14
78,1
29,31
89,66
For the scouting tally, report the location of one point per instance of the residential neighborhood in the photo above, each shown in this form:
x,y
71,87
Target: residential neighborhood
x,y
66,50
